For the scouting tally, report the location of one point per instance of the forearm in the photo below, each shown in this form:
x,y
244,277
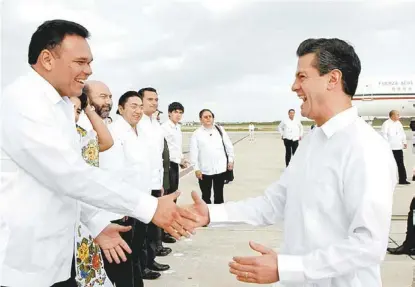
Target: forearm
x,y
262,210
104,136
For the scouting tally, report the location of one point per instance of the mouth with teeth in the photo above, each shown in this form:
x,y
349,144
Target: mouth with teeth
x,y
82,82
303,98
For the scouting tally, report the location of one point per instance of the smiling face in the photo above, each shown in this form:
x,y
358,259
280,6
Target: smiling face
x,y
67,66
100,98
311,88
150,103
132,111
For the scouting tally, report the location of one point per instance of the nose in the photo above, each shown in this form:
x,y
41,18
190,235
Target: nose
x,y
295,86
88,70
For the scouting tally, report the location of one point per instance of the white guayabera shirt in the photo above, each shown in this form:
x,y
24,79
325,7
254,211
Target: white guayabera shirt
x,y
335,198
47,186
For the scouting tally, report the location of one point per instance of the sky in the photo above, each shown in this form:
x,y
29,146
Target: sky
x,y
235,57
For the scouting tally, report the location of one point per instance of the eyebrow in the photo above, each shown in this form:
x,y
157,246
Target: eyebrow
x,y
85,59
104,94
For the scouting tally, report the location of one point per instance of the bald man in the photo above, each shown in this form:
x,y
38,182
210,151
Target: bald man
x,y
100,98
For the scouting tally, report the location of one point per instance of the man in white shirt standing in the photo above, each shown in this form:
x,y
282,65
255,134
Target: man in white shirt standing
x,y
46,184
150,129
335,197
173,136
251,129
393,132
291,132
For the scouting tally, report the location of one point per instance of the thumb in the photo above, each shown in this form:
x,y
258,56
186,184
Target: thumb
x,y
259,248
196,198
121,228
174,195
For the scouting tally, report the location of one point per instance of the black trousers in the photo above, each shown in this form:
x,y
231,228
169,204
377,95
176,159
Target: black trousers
x,y
398,154
154,236
174,177
410,228
139,247
206,187
125,273
290,148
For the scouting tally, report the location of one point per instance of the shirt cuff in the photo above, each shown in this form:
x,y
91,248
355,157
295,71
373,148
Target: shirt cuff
x,y
146,208
217,213
231,159
101,220
291,269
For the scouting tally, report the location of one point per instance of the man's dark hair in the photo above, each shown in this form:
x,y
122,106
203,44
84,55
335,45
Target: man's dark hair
x,y
334,54
124,98
51,34
291,110
175,106
148,89
84,100
205,110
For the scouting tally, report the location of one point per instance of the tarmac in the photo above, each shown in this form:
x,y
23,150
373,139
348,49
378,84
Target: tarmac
x,y
203,259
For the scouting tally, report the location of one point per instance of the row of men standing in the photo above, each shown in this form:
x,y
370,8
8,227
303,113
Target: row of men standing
x,y
146,153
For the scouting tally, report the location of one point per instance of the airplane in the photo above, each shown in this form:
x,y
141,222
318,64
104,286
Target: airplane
x,y
377,97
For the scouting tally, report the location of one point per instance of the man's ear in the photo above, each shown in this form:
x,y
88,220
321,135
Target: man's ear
x,y
46,59
334,79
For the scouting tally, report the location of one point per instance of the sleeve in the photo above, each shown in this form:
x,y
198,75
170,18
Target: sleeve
x,y
228,145
38,144
194,151
280,127
369,183
263,210
96,219
403,134
384,130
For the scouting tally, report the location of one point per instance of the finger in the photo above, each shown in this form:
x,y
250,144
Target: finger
x,y
179,229
260,248
249,260
174,195
121,228
189,226
196,198
120,253
242,268
247,280
125,246
245,275
187,214
115,256
172,232
107,255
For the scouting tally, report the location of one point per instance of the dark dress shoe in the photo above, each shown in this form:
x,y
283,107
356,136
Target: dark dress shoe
x,y
159,267
404,182
401,250
169,239
150,275
413,178
163,251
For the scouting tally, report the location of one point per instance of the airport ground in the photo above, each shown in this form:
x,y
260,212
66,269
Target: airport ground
x,y
202,260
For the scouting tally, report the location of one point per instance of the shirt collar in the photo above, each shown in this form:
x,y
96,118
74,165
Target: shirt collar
x,y
50,91
125,126
339,121
173,125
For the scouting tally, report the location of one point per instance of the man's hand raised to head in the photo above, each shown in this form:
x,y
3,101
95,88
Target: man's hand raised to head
x,y
200,208
173,219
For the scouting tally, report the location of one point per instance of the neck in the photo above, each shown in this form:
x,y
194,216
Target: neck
x,y
45,76
333,108
208,126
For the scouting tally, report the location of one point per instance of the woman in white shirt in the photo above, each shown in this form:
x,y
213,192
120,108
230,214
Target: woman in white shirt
x,y
211,154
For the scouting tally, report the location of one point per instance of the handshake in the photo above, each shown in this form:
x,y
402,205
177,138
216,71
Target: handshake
x,y
178,221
